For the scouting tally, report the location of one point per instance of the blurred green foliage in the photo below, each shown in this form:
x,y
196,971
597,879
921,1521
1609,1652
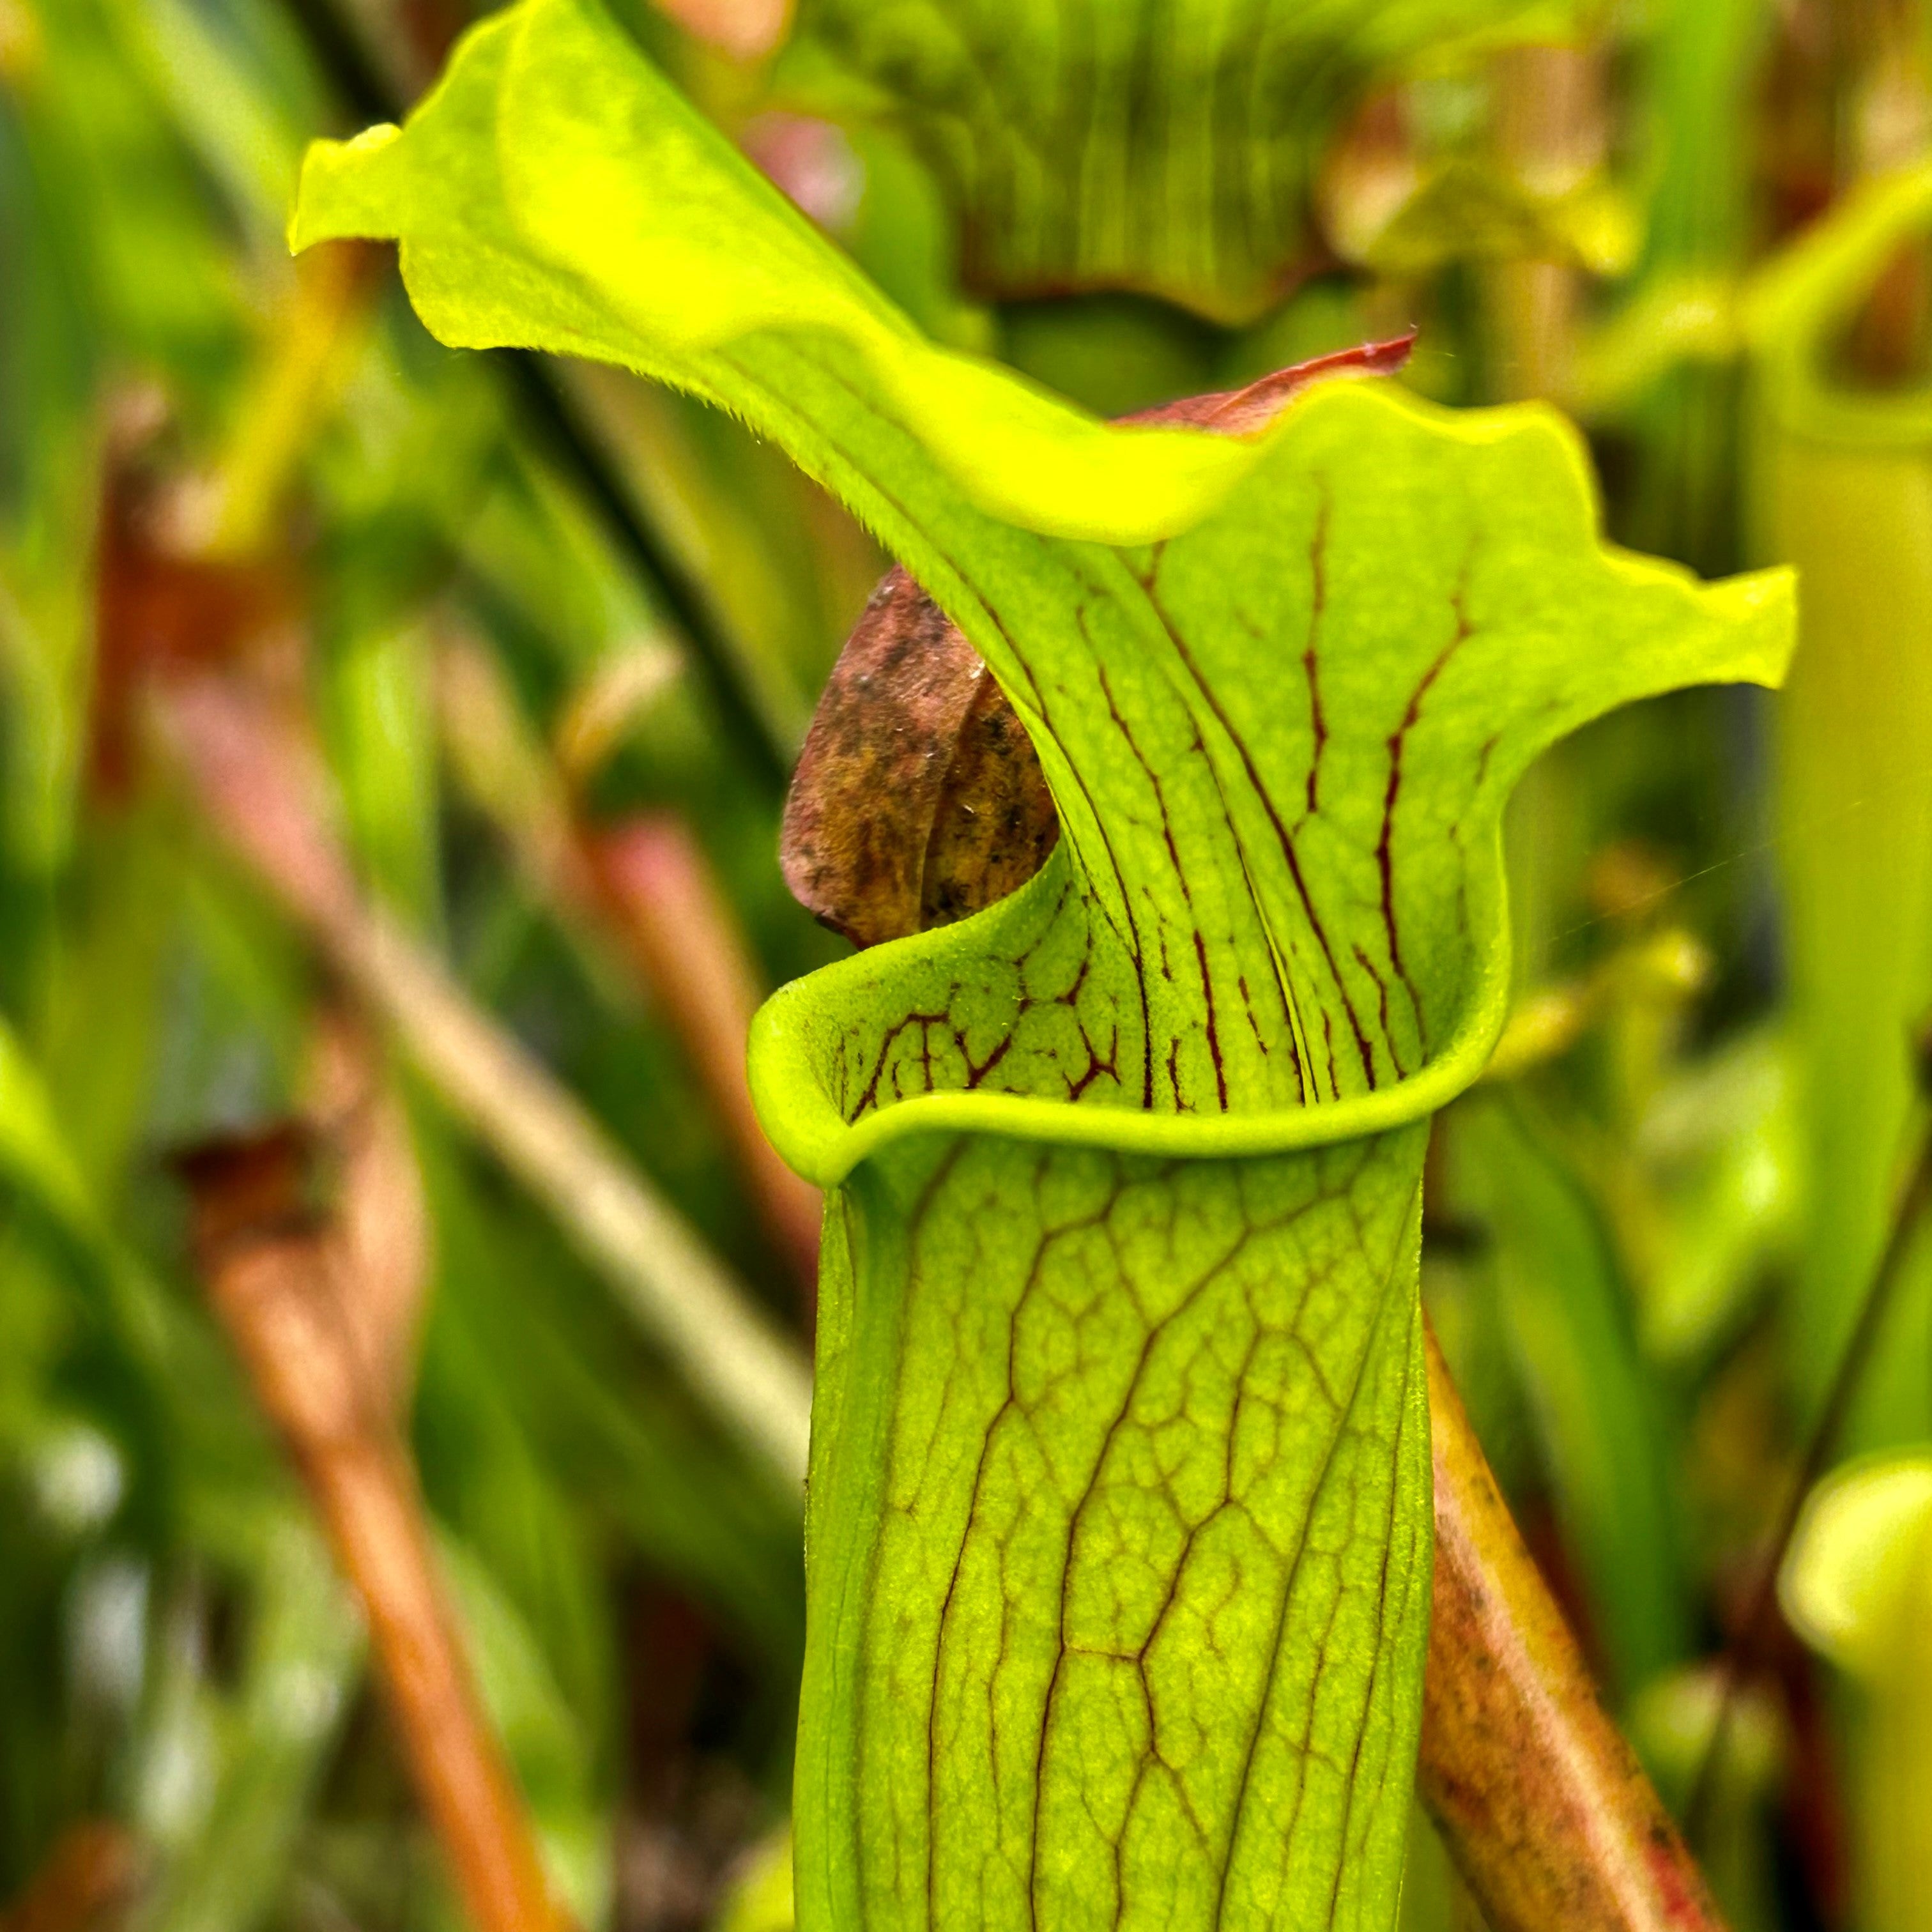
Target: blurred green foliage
x,y
1646,1238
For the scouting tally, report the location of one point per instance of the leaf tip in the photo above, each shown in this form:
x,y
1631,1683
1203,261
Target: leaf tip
x,y
342,194
1762,605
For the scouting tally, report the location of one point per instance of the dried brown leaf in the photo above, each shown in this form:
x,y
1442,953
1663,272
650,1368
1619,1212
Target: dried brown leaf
x,y
919,798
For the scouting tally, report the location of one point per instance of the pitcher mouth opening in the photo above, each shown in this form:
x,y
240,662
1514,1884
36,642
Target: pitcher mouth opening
x,y
803,1122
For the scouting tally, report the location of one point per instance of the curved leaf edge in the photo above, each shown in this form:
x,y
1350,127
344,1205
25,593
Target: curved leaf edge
x,y
1098,481
809,1131
1016,450
807,1128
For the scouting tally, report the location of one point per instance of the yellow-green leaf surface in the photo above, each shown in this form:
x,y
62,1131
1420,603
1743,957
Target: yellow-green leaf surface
x,y
1118,1531
1160,145
1853,1584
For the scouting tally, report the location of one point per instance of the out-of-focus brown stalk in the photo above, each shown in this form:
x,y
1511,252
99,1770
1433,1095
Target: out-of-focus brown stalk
x,y
644,884
259,779
283,1283
1540,1800
86,1882
654,880
382,1218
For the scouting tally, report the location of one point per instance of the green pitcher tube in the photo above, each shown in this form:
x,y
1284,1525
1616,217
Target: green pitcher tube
x,y
1118,1537
1840,486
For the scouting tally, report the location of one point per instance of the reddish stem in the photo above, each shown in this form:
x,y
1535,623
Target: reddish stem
x,y
1538,1796
284,1286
